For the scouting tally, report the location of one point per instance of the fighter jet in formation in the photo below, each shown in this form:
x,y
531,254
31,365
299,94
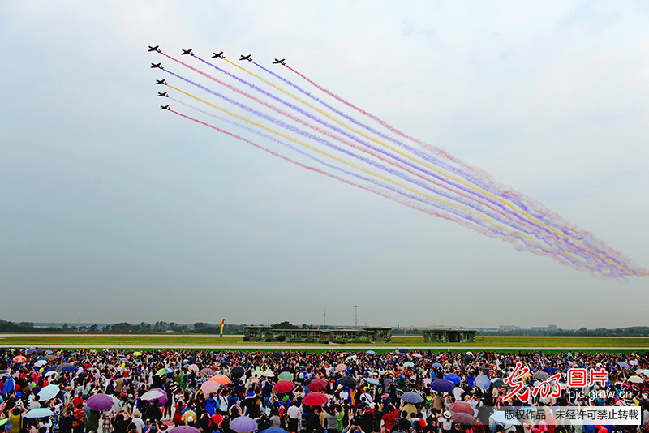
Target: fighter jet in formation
x,y
248,57
281,62
156,65
156,48
164,107
188,51
162,94
219,55
161,81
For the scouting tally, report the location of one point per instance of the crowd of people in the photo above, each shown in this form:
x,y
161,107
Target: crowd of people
x,y
46,391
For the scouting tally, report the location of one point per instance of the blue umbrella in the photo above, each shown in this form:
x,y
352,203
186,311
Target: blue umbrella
x,y
403,350
453,378
373,381
482,381
243,424
411,397
442,385
437,365
623,365
273,430
9,386
70,369
369,352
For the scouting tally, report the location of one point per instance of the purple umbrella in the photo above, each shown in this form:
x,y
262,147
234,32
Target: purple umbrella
x,y
243,424
184,429
442,385
100,402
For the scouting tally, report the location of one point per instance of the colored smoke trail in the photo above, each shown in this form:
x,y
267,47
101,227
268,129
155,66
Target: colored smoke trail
x,y
466,221
372,151
471,204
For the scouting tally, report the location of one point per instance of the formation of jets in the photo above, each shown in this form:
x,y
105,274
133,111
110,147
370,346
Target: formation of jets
x,y
189,52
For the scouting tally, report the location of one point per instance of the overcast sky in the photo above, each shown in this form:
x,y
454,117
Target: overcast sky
x,y
113,210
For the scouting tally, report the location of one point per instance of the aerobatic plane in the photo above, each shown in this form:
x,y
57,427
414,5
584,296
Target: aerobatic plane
x,y
188,51
161,81
156,48
248,57
280,62
157,65
219,55
162,94
164,107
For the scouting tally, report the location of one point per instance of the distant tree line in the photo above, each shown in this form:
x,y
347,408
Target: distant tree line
x,y
210,328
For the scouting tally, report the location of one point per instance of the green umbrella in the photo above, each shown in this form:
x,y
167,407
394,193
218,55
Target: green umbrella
x,y
285,375
162,372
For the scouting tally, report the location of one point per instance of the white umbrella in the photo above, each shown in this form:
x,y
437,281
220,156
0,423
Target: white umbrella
x,y
48,393
501,417
151,395
40,363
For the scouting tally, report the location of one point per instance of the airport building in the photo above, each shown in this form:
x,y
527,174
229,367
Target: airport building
x,y
359,335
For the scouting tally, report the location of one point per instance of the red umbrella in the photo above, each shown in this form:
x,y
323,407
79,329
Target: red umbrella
x,y
317,385
463,418
462,407
283,386
315,399
20,358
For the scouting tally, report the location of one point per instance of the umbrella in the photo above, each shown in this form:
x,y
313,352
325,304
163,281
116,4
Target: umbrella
x,y
501,417
468,358
453,378
541,375
283,386
285,375
43,358
463,418
482,381
100,402
184,429
273,430
277,354
411,397
371,352
4,421
39,413
269,373
633,362
51,373
243,424
315,399
442,385
347,381
137,353
40,363
351,357
623,365
48,393
462,406
645,372
156,395
635,379
236,372
70,369
20,359
317,385
417,355
403,351
193,367
498,383
220,379
161,372
437,365
206,371
408,364
373,381
341,367
210,387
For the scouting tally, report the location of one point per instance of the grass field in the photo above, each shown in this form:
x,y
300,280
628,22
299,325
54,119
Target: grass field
x,y
398,341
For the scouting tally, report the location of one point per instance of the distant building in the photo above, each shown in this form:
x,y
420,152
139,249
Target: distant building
x,y
364,335
448,335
